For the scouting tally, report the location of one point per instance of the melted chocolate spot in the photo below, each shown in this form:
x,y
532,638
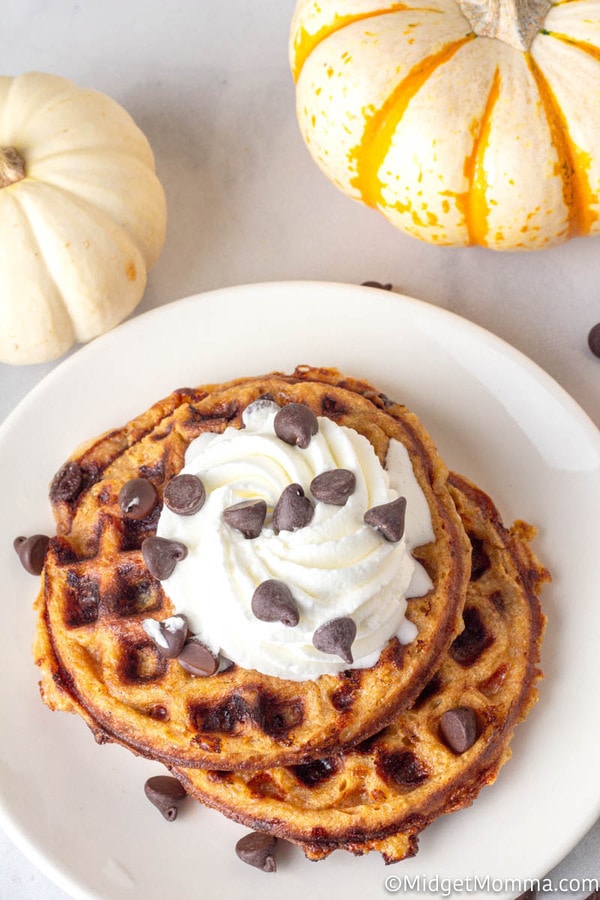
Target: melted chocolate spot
x,y
480,561
402,768
316,772
473,639
221,718
82,600
429,691
278,717
67,484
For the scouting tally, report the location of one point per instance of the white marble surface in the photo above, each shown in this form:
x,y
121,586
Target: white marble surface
x,y
209,84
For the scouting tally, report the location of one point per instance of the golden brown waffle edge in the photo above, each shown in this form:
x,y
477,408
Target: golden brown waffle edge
x,y
95,657
382,793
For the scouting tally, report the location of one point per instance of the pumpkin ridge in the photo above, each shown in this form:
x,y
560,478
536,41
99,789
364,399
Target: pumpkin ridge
x,y
305,43
591,49
571,161
474,203
124,243
53,298
380,127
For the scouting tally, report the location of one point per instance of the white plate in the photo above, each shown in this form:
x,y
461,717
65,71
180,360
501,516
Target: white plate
x,y
79,811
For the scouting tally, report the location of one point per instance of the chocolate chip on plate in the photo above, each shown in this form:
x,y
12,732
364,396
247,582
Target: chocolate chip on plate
x,y
458,727
272,601
336,636
32,552
198,659
166,793
293,510
594,340
257,849
67,484
162,555
137,498
334,486
185,495
295,424
169,636
248,516
388,518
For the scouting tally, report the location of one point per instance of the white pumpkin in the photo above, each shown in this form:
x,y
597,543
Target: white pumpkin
x,y
462,121
82,215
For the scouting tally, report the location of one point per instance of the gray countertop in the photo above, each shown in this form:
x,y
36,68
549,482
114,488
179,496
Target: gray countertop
x,y
209,84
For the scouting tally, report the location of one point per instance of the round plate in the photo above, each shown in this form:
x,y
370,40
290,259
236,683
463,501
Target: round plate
x,y
79,811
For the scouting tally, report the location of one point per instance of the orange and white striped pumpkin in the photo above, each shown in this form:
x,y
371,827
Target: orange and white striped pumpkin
x,y
462,121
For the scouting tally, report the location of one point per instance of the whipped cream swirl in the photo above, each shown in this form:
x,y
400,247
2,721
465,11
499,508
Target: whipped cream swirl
x,y
336,566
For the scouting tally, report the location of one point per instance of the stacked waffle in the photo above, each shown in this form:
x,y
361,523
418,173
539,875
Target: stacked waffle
x,y
355,748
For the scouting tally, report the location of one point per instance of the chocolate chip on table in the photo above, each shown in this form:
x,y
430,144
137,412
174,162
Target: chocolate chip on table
x,y
257,849
169,636
594,340
336,636
198,659
388,518
162,555
67,484
458,727
293,510
166,793
185,495
247,517
377,284
272,601
32,552
296,424
137,498
334,486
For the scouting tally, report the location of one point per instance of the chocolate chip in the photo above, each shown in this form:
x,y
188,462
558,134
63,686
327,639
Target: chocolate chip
x,y
32,552
336,636
197,659
67,483
166,793
162,555
458,727
185,495
377,284
295,424
594,340
137,498
169,635
257,850
388,519
333,486
272,601
293,510
247,517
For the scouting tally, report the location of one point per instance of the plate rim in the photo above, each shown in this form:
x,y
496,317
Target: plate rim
x,y
56,872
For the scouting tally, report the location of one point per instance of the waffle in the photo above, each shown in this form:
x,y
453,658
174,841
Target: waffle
x,y
383,792
97,660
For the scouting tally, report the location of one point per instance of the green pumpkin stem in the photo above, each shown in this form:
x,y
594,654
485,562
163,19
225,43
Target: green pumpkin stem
x,y
516,22
12,166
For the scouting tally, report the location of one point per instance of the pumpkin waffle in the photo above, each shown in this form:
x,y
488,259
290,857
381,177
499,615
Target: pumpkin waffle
x,y
382,793
96,658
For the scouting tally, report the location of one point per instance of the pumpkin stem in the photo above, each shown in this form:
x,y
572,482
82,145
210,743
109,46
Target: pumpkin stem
x,y
12,166
516,22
